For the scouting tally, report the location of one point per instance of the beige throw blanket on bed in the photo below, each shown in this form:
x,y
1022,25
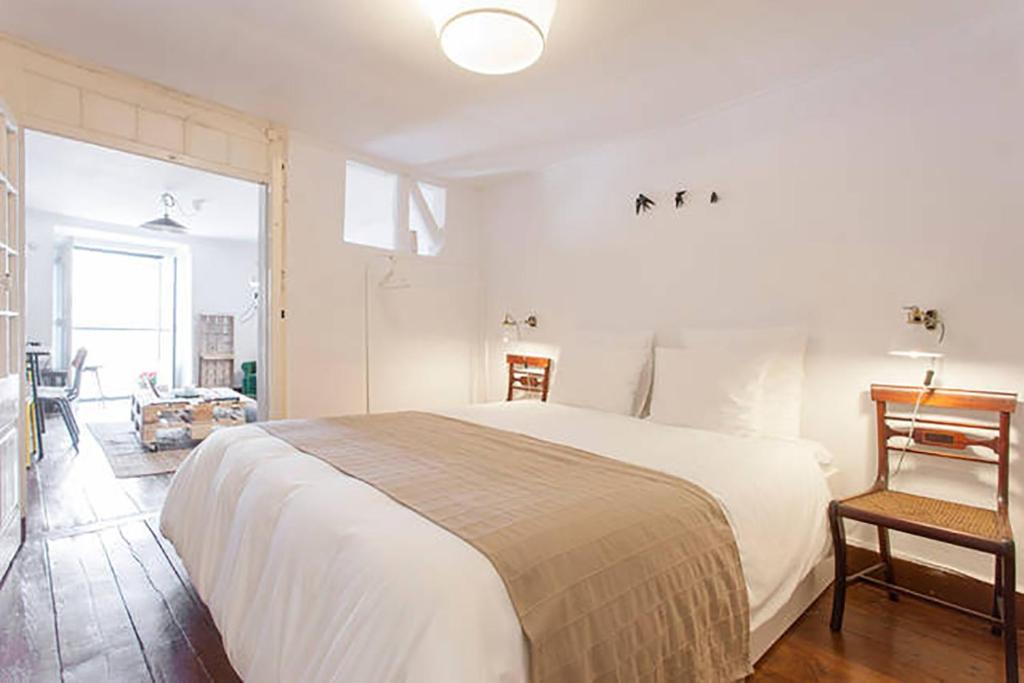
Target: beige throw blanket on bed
x,y
617,572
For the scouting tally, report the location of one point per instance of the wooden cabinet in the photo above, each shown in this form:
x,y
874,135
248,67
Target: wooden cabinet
x,y
11,343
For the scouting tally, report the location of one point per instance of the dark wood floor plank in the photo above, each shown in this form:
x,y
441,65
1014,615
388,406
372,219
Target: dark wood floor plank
x,y
147,493
909,640
179,642
63,492
28,642
79,488
97,639
174,560
35,518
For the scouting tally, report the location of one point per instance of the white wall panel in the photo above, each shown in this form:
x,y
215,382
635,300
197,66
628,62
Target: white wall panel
x,y
107,115
161,130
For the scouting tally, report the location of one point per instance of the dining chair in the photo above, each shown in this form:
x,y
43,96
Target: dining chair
x,y
62,397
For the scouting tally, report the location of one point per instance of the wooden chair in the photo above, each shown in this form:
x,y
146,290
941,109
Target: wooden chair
x,y
531,374
971,527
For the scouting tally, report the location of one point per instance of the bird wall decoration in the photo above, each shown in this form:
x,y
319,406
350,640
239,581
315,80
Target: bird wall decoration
x,y
644,203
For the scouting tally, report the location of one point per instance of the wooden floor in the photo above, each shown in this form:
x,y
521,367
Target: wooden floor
x,y
96,594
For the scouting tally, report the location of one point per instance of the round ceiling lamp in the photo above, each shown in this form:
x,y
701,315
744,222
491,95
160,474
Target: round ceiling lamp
x,y
492,37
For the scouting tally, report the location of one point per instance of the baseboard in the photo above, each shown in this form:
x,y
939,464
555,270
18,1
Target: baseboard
x,y
940,583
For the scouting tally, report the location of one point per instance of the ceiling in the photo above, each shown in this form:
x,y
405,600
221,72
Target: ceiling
x,y
103,185
369,74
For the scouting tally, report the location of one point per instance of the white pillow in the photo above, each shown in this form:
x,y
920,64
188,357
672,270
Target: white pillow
x,y
604,371
718,389
782,350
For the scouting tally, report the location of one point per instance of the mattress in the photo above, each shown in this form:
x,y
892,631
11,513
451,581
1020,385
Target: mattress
x,y
312,575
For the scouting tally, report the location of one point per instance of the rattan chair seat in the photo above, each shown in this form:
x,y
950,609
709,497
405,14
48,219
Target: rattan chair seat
x,y
932,512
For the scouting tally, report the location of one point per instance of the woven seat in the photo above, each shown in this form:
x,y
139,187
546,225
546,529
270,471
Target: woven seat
x,y
930,512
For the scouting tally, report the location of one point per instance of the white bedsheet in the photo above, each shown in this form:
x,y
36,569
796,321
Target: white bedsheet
x,y
314,576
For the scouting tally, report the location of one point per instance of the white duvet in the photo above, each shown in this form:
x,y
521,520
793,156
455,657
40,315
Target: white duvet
x,y
314,576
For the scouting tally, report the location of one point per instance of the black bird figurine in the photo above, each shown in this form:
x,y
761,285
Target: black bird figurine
x,y
643,203
680,198
714,197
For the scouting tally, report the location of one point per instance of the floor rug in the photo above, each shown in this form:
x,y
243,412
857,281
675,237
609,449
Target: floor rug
x,y
128,457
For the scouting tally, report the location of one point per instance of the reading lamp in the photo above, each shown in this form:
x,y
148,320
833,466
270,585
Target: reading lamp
x,y
920,337
510,322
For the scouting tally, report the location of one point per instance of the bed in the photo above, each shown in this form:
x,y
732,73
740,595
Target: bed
x,y
313,575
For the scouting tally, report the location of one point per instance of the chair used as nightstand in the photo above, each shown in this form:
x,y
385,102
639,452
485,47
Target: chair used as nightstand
x,y
983,529
530,374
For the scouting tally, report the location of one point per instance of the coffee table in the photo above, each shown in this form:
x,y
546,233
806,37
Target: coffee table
x,y
186,418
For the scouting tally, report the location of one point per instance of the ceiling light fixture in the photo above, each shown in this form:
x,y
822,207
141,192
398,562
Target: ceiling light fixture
x,y
165,223
492,37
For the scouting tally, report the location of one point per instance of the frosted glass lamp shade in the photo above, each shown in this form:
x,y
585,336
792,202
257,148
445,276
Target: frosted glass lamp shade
x,y
492,37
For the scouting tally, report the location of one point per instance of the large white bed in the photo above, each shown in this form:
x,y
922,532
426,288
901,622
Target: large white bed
x,y
312,575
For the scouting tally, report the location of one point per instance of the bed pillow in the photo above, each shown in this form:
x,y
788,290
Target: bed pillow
x,y
718,389
781,350
604,371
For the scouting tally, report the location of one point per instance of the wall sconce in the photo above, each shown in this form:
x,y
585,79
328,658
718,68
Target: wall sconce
x,y
508,323
920,337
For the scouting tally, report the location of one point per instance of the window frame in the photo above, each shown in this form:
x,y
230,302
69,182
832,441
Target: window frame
x,y
408,191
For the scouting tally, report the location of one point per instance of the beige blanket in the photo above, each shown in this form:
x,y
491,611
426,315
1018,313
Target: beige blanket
x,y
617,573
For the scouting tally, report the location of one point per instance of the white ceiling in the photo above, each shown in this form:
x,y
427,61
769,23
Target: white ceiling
x,y
369,74
99,184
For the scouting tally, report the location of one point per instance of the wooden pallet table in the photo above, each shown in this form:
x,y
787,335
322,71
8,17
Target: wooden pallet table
x,y
186,418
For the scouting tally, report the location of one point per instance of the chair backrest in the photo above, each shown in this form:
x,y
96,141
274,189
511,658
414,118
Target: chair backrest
x,y
944,436
75,373
528,373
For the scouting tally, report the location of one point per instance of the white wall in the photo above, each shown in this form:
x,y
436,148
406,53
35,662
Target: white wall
x,y
221,271
424,340
885,183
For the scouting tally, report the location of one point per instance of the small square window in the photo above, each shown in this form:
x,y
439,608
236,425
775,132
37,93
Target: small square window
x,y
371,201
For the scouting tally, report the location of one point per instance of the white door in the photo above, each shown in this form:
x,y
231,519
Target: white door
x,y
12,350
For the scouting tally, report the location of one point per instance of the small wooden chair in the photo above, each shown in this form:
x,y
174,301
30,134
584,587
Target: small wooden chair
x,y
963,525
531,374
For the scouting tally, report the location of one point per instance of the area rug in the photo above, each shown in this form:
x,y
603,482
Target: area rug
x,y
128,457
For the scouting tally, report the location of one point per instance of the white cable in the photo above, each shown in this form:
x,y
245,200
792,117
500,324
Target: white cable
x,y
913,418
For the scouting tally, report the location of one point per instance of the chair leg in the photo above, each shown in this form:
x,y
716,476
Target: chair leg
x,y
997,597
886,555
74,420
65,412
839,551
1010,613
72,424
99,386
69,418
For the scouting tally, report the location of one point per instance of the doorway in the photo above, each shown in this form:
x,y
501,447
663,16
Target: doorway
x,y
128,259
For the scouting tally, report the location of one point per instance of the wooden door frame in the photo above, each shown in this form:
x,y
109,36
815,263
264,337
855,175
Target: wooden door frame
x,y
60,95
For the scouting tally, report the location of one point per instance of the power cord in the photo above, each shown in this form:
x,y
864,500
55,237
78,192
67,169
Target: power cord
x,y
926,386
